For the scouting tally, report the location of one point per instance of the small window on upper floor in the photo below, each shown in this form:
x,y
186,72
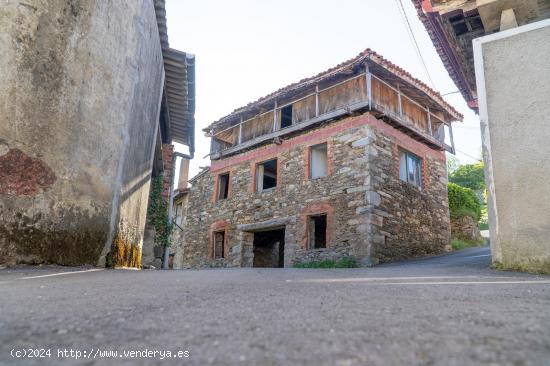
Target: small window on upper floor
x,y
318,162
410,168
266,175
223,186
286,116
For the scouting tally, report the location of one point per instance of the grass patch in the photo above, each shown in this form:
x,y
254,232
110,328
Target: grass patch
x,y
459,244
346,262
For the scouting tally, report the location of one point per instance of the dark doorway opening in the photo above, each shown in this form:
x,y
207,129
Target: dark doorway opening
x,y
269,249
318,232
286,116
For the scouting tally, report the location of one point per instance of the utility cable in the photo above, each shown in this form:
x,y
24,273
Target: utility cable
x,y
403,13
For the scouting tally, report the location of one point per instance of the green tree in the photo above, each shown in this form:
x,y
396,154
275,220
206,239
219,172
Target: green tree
x,y
469,176
463,201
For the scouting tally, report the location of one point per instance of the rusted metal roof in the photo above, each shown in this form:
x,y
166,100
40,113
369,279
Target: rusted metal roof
x,y
368,56
179,86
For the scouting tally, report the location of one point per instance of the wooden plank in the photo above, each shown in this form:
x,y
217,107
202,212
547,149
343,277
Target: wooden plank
x,y
399,101
275,116
316,100
407,126
241,131
429,122
452,139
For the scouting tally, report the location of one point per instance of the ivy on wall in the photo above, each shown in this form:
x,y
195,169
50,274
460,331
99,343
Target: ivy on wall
x,y
157,213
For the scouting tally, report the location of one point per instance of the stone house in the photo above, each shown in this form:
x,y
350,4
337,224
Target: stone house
x,y
350,162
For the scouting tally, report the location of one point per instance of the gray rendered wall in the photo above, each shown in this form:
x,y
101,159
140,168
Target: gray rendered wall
x,y
80,85
513,76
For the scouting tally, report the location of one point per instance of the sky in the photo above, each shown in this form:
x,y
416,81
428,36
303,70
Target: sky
x,y
246,49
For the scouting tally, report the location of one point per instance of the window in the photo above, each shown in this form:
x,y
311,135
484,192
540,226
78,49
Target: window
x,y
223,186
410,168
317,231
318,166
266,175
218,244
286,116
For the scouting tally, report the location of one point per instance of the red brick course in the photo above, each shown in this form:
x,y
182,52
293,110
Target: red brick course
x,y
322,135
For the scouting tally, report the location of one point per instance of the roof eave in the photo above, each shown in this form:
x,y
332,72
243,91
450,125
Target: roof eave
x,y
432,23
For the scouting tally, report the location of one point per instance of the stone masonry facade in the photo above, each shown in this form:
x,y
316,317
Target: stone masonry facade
x,y
370,213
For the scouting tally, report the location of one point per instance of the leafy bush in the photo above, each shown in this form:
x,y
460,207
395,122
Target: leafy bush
x,y
346,262
469,176
463,201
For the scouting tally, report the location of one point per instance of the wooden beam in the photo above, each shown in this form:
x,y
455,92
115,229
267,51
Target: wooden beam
x,y
241,130
275,117
317,100
399,101
452,139
369,89
429,122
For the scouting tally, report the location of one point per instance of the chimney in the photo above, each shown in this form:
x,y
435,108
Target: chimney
x,y
184,173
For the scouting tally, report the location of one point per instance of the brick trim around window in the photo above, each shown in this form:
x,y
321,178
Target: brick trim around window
x,y
314,209
218,226
307,157
217,183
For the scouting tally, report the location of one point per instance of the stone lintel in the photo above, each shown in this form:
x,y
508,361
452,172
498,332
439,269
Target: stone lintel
x,y
267,225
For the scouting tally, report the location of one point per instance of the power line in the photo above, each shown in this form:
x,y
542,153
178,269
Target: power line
x,y
449,93
468,155
402,12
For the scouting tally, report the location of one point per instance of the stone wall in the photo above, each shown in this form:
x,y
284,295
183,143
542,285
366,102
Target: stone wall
x,y
406,221
80,86
371,215
466,228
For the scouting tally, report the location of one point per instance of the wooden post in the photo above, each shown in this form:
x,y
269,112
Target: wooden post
x,y
316,100
241,131
429,121
452,139
275,117
369,89
369,84
399,101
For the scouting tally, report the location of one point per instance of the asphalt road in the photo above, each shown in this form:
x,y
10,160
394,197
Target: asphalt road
x,y
448,310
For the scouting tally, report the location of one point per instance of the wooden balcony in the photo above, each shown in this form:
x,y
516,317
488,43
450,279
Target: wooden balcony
x,y
358,94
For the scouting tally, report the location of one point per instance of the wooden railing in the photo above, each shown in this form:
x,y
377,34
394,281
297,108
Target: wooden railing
x,y
359,92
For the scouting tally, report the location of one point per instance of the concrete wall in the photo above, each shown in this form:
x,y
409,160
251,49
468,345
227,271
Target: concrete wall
x,y
371,214
513,77
80,86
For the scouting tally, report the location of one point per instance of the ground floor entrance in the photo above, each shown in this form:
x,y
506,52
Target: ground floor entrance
x,y
269,248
